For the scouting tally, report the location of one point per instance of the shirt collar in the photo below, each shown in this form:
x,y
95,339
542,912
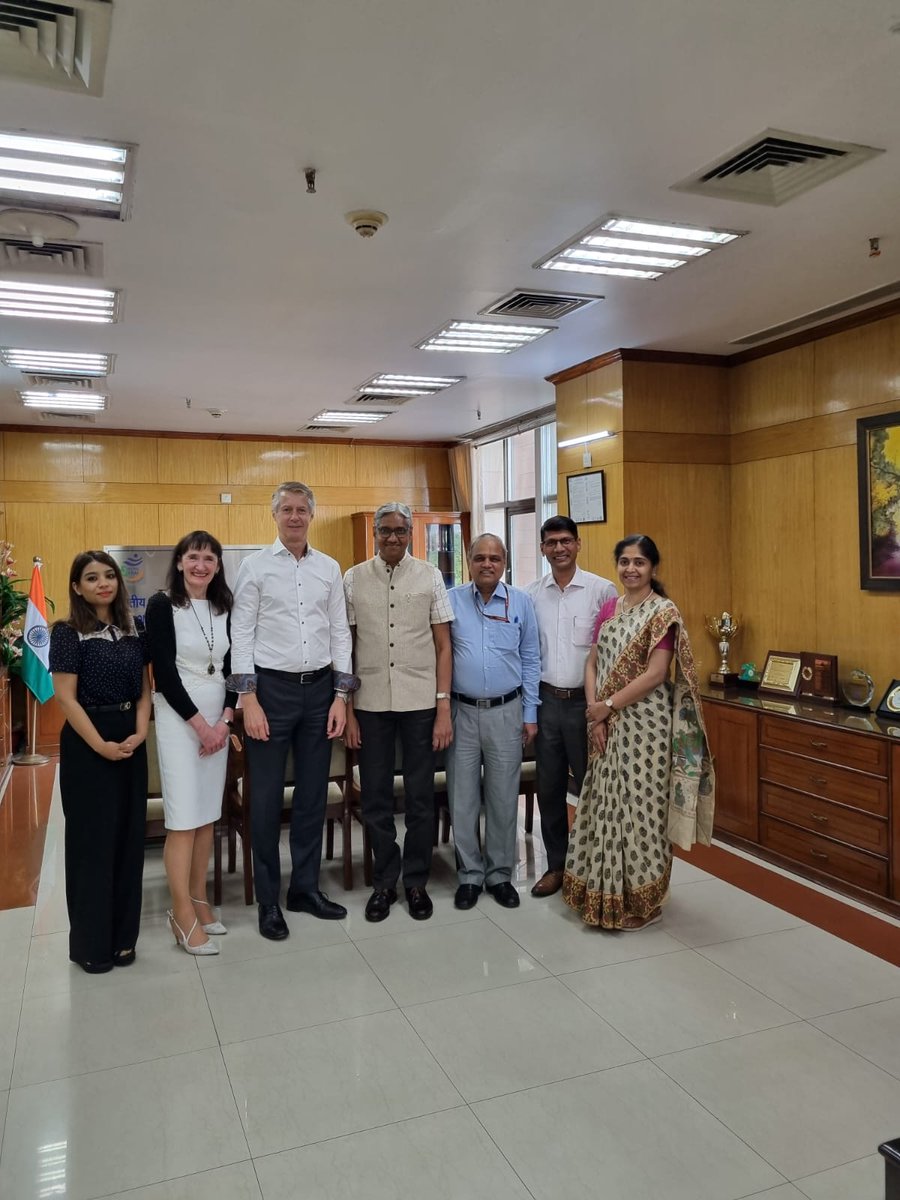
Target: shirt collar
x,y
500,584
577,579
278,547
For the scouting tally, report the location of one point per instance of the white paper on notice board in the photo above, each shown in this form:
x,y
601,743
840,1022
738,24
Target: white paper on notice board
x,y
586,498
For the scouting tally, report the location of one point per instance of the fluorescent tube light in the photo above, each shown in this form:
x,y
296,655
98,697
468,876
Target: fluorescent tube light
x,y
483,337
68,401
44,301
57,362
35,170
408,385
588,437
346,417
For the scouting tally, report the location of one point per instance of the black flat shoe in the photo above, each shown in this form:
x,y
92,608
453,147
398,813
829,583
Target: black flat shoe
x,y
467,895
420,906
272,924
316,904
379,904
93,968
504,893
124,958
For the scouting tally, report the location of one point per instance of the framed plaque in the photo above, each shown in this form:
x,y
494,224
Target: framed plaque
x,y
818,676
890,701
782,673
587,498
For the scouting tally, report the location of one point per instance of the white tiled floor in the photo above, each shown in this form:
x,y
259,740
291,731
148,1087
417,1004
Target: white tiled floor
x,y
729,1052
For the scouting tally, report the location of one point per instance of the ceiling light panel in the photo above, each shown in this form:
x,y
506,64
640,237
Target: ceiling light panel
x,y
635,249
46,302
63,401
483,337
57,362
408,385
68,175
343,417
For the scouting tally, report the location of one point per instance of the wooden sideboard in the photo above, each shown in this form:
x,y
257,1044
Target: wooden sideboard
x,y
812,788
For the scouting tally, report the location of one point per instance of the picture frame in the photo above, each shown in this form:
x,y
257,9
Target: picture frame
x,y
781,673
819,676
587,497
889,705
878,479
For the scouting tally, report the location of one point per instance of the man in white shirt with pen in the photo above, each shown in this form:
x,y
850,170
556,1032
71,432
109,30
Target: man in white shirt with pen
x,y
291,661
566,603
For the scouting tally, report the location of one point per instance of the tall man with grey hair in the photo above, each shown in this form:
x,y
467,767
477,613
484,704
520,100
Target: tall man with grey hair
x,y
291,660
496,671
398,608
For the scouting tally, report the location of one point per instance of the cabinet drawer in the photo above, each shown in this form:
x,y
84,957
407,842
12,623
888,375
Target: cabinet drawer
x,y
820,779
829,745
830,820
852,866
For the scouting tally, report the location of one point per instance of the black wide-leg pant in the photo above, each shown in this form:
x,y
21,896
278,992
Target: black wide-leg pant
x,y
105,806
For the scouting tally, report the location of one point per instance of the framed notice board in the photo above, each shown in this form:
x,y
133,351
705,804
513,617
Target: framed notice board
x,y
587,497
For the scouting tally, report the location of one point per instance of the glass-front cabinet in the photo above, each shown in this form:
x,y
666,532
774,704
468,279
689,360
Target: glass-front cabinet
x,y
440,538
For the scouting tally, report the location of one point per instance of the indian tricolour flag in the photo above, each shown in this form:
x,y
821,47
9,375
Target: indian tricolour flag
x,y
36,643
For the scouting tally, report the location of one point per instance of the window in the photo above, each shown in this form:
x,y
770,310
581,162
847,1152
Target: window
x,y
518,491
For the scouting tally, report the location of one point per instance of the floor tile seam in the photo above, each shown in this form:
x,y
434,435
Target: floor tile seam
x,y
223,963
862,1057
590,1008
533,1087
812,1174
138,1062
433,1057
718,1041
679,949
256,1037
856,1007
500,1150
170,1179
381,982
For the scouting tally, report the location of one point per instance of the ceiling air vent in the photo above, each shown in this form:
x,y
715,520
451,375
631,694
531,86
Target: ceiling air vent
x,y
57,45
774,167
324,429
888,291
68,418
546,305
366,398
52,258
68,383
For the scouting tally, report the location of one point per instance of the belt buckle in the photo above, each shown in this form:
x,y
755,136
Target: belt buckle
x,y
125,707
483,703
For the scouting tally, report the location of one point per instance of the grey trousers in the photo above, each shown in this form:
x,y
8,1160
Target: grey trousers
x,y
490,738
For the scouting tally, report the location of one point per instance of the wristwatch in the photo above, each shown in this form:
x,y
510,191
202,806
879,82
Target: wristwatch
x,y
340,694
442,696
609,704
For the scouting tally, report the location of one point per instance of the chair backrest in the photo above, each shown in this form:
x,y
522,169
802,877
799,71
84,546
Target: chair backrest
x,y
337,770
154,783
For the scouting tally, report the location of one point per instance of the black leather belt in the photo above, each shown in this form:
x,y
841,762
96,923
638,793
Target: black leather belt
x,y
123,707
492,702
563,693
295,676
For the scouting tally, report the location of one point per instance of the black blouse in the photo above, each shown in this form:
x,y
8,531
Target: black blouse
x,y
109,663
162,648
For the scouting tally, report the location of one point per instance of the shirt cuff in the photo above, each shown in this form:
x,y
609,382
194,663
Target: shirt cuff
x,y
344,681
529,715
241,683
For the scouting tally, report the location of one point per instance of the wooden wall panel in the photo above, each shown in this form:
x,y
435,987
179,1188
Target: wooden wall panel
x,y
571,411
675,398
332,533
603,399
676,447
773,390
686,509
851,623
192,460
433,468
175,520
774,567
56,533
858,368
323,463
112,459
121,525
376,464
44,457
798,437
268,463
249,524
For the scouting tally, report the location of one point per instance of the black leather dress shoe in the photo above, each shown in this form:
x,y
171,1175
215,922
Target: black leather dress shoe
x,y
504,893
420,906
379,904
316,904
467,895
272,924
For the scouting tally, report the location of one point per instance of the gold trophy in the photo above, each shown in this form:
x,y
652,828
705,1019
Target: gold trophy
x,y
724,629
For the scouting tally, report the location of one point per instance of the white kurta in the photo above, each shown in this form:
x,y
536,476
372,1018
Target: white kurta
x,y
192,786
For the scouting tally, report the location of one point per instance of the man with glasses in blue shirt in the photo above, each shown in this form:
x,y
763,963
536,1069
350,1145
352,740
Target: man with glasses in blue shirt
x,y
496,671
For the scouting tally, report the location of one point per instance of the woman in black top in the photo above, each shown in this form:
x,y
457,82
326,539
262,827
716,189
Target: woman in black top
x,y
101,681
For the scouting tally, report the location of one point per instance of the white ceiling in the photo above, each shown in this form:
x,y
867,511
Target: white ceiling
x,y
489,131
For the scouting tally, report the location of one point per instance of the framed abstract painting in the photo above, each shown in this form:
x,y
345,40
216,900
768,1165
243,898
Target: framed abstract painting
x,y
878,462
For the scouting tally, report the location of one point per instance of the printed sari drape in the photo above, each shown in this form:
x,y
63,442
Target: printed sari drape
x,y
653,785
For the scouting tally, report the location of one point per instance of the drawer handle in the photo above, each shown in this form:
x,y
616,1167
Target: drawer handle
x,y
818,745
818,781
821,820
816,854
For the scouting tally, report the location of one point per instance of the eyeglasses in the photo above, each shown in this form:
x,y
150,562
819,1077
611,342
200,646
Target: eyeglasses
x,y
552,543
492,616
384,531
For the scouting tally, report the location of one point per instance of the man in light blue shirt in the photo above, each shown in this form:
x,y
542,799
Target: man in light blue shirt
x,y
494,702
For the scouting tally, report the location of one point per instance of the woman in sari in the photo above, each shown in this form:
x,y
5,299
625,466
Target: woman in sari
x,y
650,779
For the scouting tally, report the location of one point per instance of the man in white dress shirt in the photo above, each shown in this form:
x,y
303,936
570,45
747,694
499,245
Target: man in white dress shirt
x,y
291,660
566,603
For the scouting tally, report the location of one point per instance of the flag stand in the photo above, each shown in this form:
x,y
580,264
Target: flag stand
x,y
29,757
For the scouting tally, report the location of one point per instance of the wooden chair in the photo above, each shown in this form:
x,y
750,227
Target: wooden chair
x,y
156,824
237,811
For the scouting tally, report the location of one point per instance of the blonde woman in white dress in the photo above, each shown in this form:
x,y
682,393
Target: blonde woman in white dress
x,y
188,632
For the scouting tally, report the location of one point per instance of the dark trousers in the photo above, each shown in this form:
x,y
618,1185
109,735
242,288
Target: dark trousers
x,y
379,732
105,806
561,744
298,717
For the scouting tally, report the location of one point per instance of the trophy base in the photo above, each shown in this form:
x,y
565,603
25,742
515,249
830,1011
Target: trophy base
x,y
723,679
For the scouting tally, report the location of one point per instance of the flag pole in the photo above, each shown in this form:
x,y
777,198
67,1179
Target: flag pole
x,y
35,667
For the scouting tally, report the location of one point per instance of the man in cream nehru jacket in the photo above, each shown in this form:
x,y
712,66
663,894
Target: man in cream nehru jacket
x,y
400,615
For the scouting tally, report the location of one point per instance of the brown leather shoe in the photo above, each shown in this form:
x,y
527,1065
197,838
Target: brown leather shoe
x,y
548,884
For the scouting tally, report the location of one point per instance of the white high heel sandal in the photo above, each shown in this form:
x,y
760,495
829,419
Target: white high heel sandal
x,y
216,928
183,942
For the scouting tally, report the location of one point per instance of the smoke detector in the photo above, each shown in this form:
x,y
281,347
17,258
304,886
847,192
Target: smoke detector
x,y
37,227
366,222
